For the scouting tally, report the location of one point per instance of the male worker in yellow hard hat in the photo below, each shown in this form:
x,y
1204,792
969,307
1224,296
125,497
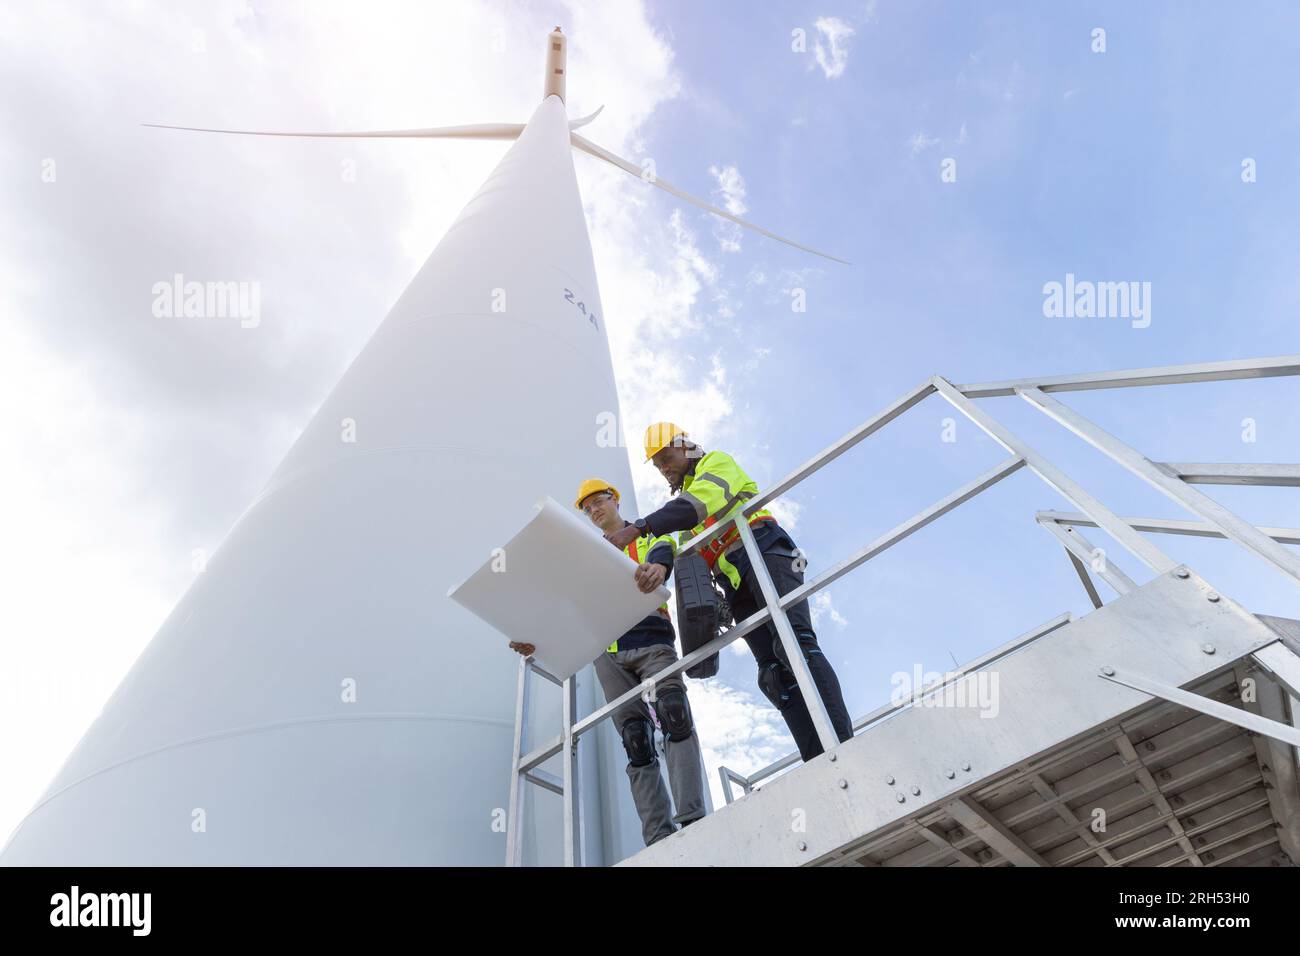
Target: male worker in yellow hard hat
x,y
711,487
641,653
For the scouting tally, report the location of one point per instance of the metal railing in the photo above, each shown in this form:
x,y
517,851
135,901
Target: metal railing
x,y
1174,480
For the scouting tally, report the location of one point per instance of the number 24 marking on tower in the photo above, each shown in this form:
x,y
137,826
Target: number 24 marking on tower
x,y
591,316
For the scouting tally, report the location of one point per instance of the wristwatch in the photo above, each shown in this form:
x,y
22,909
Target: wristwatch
x,y
641,526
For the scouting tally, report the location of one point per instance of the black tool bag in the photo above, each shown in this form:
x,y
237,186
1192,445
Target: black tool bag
x,y
702,611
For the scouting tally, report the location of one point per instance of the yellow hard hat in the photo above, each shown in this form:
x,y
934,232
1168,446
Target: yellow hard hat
x,y
659,436
590,487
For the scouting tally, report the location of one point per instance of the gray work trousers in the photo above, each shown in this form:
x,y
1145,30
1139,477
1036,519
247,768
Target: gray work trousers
x,y
619,673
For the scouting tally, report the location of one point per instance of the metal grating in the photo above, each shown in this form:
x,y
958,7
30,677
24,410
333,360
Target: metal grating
x,y
1075,770
1166,786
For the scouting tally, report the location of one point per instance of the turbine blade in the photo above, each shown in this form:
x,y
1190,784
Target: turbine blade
x,y
587,146
479,131
574,124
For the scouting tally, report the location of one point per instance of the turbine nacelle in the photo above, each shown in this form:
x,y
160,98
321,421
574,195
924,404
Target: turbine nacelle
x,y
555,56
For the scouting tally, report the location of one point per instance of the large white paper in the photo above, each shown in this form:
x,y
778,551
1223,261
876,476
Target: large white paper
x,y
560,586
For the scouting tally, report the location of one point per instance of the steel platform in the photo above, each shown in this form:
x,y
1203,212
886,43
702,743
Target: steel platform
x,y
1064,764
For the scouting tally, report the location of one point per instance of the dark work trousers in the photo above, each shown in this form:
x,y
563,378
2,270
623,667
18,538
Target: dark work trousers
x,y
775,679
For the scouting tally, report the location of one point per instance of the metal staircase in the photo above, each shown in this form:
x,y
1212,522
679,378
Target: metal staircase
x,y
1160,729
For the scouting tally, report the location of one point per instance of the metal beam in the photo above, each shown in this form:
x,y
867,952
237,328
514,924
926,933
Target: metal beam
x,y
1233,715
1244,533
1049,795
984,660
825,457
939,840
1277,761
795,660
1152,556
547,781
515,815
992,831
728,776
1082,550
1283,664
1128,753
1084,578
907,528
1200,473
569,761
1195,529
1156,375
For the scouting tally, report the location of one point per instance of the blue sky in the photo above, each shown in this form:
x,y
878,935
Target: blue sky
x,y
1116,166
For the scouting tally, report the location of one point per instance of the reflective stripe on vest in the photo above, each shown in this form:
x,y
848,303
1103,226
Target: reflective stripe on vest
x,y
634,550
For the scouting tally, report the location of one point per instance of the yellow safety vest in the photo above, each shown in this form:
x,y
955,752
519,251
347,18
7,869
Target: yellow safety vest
x,y
638,550
718,489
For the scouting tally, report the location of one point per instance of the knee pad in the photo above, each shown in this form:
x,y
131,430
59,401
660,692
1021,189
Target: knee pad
x,y
674,714
774,681
639,742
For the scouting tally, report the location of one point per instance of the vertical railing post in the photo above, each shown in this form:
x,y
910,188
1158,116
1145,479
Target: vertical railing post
x,y
515,814
811,696
569,758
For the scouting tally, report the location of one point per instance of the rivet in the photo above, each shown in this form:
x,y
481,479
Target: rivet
x,y
889,780
832,757
965,766
949,774
844,784
901,798
1182,573
916,791
1208,648
1108,671
1212,597
802,846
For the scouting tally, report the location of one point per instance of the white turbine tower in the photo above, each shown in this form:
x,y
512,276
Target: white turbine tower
x,y
314,698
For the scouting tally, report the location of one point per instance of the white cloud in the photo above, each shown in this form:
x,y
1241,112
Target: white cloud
x,y
729,193
921,142
730,188
822,606
786,511
655,340
736,730
833,55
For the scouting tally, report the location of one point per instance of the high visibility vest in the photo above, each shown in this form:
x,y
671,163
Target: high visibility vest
x,y
718,489
638,551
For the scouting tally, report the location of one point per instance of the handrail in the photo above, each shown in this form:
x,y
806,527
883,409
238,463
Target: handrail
x,y
1095,515
1173,479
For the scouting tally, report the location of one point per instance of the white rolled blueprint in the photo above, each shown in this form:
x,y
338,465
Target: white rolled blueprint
x,y
560,586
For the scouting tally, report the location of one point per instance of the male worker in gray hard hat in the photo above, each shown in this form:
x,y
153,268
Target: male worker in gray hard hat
x,y
639,654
